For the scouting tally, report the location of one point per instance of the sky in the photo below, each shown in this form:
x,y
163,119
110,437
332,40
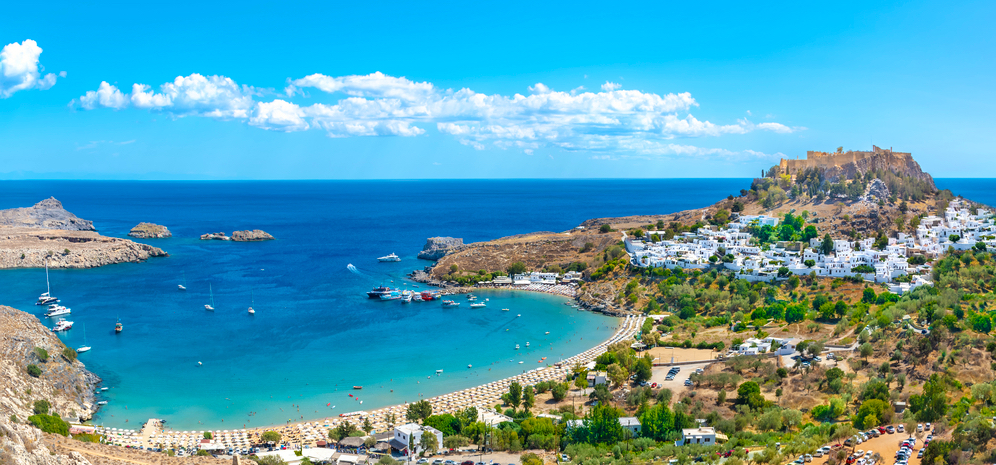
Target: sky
x,y
424,90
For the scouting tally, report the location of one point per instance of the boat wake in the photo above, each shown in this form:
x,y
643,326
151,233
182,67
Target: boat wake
x,y
354,270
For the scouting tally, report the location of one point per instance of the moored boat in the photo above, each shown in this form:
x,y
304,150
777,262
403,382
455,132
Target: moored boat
x,y
477,305
393,295
378,291
46,298
389,258
450,303
55,310
118,327
63,325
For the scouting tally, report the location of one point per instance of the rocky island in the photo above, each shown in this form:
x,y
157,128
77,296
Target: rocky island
x,y
239,236
437,247
46,232
150,231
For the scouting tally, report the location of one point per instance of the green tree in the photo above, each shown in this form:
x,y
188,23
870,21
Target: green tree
x,y
603,425
33,370
932,403
617,373
826,247
429,443
644,369
873,412
270,437
207,435
866,350
516,268
342,430
419,411
514,395
657,423
868,296
50,424
559,391
601,394
528,398
749,394
367,426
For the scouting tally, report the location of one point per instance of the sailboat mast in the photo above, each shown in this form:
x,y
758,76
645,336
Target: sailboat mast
x,y
48,286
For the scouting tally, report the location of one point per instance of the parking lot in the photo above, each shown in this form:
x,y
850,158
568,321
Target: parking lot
x,y
885,445
678,383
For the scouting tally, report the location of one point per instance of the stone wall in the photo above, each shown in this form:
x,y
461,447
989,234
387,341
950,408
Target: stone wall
x,y
816,159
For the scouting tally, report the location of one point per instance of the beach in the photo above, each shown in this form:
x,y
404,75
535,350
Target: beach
x,y
155,434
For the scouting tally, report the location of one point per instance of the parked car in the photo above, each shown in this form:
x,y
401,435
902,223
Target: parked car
x,y
423,461
808,458
901,429
818,453
919,453
891,429
688,382
919,428
564,458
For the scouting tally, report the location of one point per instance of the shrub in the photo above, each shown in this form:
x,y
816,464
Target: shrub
x,y
69,353
42,354
605,228
41,407
50,424
33,370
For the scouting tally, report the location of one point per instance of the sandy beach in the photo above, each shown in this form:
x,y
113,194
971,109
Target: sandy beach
x,y
307,433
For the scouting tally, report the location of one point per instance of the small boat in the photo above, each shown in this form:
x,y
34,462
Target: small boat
x,y
252,301
416,297
450,303
520,362
478,305
470,366
389,258
471,297
207,307
357,387
183,286
504,309
55,310
527,344
406,296
84,347
63,325
118,327
518,315
516,347
392,295
46,298
104,389
199,363
103,402
438,372
547,332
429,296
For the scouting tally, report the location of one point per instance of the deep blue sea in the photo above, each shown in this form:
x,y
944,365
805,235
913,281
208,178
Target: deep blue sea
x,y
315,334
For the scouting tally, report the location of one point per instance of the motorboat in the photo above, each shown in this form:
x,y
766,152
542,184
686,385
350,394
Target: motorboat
x,y
516,347
527,344
389,258
471,297
547,332
252,301
103,402
183,286
417,297
393,295
429,296
378,291
55,310
450,303
47,297
63,325
439,372
406,296
118,327
478,305
504,309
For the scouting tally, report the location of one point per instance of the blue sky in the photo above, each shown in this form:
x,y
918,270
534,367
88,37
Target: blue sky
x,y
365,90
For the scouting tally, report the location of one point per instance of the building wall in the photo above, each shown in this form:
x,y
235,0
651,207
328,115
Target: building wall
x,y
815,159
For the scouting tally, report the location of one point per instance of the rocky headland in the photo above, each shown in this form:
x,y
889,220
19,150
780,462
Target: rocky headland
x,y
47,214
31,248
150,231
437,247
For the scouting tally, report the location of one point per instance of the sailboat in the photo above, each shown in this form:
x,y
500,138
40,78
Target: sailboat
x,y
183,286
84,347
210,308
252,301
46,298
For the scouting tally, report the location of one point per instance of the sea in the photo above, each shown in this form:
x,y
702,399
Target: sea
x,y
315,334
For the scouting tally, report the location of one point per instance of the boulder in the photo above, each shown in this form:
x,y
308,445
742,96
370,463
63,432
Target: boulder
x,y
254,235
218,236
150,231
437,247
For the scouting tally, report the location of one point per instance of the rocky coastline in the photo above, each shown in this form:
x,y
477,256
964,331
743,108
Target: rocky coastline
x,y
150,231
437,247
31,248
47,214
239,236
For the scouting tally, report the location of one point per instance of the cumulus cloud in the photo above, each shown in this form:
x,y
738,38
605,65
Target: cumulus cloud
x,y
380,105
20,70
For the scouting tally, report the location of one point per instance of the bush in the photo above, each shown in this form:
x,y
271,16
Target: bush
x,y
13,418
42,354
271,436
605,228
33,370
50,424
70,354
41,407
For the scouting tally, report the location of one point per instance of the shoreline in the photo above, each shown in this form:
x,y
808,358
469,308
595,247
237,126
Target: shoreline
x,y
309,432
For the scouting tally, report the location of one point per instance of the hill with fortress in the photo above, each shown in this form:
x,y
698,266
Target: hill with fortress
x,y
853,163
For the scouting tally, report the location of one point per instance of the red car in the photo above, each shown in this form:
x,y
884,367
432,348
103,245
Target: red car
x,y
881,429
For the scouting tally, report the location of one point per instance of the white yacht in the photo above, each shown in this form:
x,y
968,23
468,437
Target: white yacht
x,y
207,307
84,347
46,298
63,325
55,310
516,347
252,301
477,305
389,258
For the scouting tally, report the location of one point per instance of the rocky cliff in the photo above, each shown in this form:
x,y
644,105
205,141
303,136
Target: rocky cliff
x,y
47,214
250,236
150,231
24,247
65,383
437,247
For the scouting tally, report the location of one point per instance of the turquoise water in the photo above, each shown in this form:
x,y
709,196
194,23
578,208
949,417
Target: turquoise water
x,y
315,334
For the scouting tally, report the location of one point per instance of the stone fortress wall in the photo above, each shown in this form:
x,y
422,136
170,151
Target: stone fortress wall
x,y
815,159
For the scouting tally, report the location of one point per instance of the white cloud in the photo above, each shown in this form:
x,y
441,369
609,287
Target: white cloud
x,y
19,69
609,120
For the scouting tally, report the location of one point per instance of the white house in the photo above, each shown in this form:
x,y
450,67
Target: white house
x,y
703,435
595,378
408,437
630,423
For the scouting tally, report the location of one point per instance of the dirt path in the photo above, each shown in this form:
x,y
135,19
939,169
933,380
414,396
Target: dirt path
x,y
59,447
